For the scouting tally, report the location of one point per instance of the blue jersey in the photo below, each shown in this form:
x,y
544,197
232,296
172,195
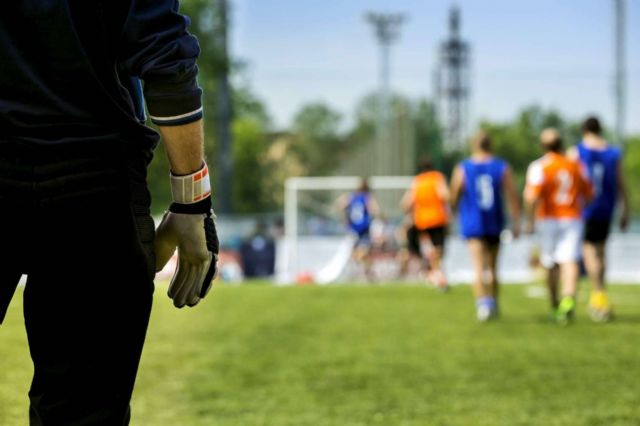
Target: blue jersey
x,y
481,210
602,165
358,215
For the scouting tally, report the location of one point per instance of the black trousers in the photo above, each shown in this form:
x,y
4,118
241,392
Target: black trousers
x,y
76,220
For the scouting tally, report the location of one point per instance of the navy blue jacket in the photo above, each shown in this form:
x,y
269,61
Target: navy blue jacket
x,y
71,70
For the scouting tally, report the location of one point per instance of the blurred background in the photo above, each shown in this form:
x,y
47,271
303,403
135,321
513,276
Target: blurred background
x,y
301,99
366,88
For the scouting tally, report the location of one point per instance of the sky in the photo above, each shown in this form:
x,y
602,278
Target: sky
x,y
554,53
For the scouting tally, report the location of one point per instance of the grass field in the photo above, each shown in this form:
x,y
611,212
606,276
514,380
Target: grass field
x,y
355,355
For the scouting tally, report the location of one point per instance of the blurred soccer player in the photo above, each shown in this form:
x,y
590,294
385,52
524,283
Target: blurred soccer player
x,y
604,164
74,204
557,189
360,207
477,188
428,202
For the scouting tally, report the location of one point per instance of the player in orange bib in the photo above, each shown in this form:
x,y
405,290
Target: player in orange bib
x,y
557,188
428,202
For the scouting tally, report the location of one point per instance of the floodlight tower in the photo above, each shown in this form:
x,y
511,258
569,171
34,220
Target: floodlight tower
x,y
620,70
452,83
386,28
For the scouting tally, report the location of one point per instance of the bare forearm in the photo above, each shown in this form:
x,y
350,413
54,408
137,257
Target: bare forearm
x,y
623,193
456,186
374,207
624,199
529,212
515,210
514,206
184,146
406,204
510,189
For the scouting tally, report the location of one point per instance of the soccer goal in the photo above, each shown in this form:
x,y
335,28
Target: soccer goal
x,y
317,246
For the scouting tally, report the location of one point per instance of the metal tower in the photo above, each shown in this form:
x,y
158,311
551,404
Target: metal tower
x,y
386,28
452,84
620,71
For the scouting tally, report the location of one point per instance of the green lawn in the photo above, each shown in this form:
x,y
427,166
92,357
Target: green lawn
x,y
355,355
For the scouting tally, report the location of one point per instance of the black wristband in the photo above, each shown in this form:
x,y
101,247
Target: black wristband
x,y
201,207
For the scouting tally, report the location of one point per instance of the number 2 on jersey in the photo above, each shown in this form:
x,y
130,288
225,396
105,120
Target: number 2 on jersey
x,y
565,183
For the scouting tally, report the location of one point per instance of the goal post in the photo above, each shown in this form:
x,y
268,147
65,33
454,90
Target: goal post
x,y
290,265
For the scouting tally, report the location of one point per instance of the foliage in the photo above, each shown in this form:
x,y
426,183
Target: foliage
x,y
317,139
366,117
632,172
158,181
353,355
414,125
427,132
248,105
249,147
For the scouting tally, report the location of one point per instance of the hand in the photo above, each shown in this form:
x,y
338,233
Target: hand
x,y
189,226
515,229
196,239
624,221
529,227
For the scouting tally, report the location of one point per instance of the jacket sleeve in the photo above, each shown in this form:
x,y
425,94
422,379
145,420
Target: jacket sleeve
x,y
157,48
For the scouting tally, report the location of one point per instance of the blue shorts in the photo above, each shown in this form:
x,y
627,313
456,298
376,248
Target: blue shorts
x,y
363,240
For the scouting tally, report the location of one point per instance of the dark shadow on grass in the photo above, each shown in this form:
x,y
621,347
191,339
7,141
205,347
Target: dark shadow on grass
x,y
626,319
547,320
519,319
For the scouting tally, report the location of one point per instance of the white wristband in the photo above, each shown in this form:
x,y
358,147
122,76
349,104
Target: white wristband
x,y
191,188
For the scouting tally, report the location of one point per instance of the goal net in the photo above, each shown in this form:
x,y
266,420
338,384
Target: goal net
x,y
318,246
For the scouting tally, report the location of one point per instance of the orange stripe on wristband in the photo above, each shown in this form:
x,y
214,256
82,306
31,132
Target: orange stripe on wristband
x,y
191,188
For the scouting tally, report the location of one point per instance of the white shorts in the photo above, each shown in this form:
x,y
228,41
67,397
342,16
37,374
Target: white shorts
x,y
560,241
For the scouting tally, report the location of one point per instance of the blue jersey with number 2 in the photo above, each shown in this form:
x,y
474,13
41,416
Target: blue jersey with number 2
x,y
358,214
602,165
481,211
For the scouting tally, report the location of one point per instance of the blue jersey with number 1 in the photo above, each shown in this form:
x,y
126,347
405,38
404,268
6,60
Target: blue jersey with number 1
x,y
481,211
358,214
603,172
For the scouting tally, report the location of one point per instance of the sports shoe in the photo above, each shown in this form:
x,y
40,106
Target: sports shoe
x,y
564,312
599,307
483,313
485,309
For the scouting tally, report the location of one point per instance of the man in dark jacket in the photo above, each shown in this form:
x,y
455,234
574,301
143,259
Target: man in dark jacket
x,y
74,205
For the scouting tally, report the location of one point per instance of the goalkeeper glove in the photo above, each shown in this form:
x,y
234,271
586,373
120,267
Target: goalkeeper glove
x,y
189,226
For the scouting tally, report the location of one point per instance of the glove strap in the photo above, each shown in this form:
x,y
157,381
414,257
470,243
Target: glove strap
x,y
190,189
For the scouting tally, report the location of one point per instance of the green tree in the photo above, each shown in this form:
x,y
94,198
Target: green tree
x,y
415,119
318,141
366,117
632,172
427,132
250,145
